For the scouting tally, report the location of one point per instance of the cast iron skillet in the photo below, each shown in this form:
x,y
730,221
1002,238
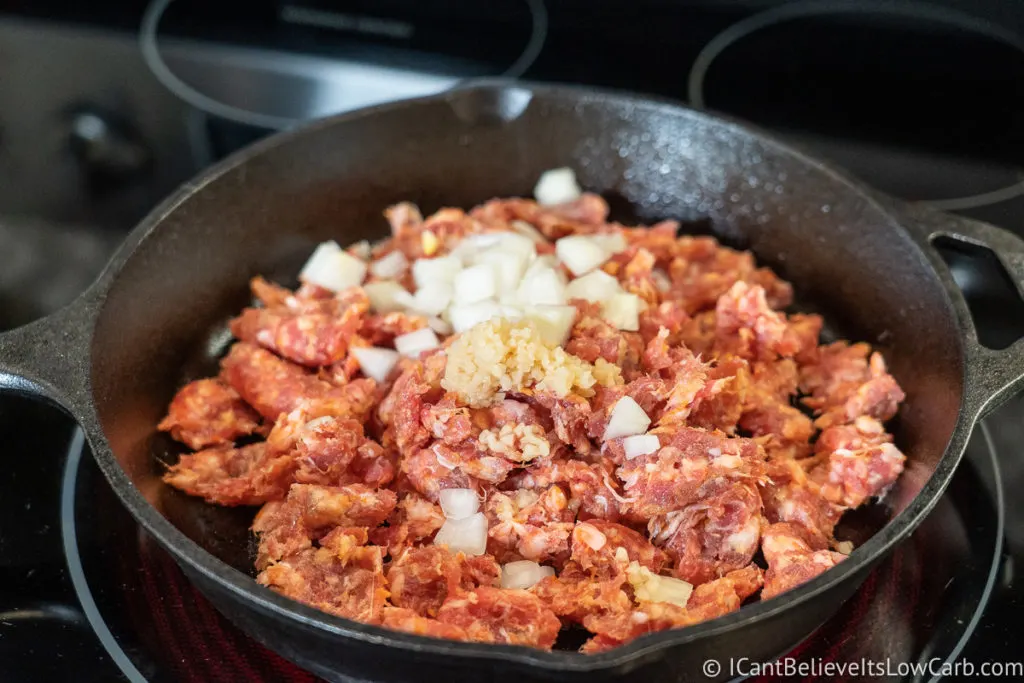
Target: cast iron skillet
x,y
156,317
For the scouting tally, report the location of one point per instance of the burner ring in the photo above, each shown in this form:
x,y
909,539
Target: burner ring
x,y
997,551
914,9
76,571
218,106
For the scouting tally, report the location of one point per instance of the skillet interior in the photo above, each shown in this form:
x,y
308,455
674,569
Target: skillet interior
x,y
164,314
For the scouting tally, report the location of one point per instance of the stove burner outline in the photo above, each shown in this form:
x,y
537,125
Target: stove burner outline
x,y
997,552
74,562
149,47
805,9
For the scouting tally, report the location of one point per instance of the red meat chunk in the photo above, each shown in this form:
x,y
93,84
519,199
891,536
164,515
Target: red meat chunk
x,y
495,615
208,413
310,512
794,556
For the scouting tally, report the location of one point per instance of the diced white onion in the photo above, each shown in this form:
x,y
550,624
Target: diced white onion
x,y
612,242
541,285
375,362
505,240
509,312
627,418
526,230
458,503
523,574
439,326
432,298
545,261
513,242
463,317
435,270
580,254
651,587
640,444
554,323
467,535
509,266
483,240
556,186
391,266
623,311
386,296
465,251
414,343
596,286
333,268
361,249
476,283
667,589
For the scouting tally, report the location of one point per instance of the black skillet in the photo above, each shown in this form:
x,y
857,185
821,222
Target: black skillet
x,y
156,317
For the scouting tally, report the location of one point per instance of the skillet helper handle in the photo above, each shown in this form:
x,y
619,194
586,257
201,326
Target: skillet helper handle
x,y
49,358
993,376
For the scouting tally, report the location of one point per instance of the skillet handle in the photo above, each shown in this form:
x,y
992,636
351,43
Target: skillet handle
x,y
991,376
49,358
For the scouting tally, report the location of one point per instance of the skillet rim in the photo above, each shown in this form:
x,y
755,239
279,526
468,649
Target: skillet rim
x,y
243,587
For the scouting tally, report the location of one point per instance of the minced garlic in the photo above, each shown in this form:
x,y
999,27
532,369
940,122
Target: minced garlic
x,y
517,442
500,355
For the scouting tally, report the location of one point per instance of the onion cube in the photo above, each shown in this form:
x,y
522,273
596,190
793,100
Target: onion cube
x,y
476,283
640,444
333,268
623,311
627,418
361,249
654,588
458,503
596,286
376,363
554,323
612,242
439,326
556,186
542,285
523,574
526,230
432,298
433,270
580,254
414,343
465,316
386,296
467,535
391,266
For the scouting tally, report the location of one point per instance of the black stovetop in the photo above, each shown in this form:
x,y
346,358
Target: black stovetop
x,y
86,596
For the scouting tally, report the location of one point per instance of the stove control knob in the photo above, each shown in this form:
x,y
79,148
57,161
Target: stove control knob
x,y
105,146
